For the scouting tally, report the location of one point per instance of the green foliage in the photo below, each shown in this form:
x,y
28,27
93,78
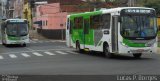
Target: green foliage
x,y
152,4
159,33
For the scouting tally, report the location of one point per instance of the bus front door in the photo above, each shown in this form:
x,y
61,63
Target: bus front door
x,y
86,32
68,32
114,34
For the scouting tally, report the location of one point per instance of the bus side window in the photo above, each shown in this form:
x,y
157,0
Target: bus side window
x,y
106,21
71,26
68,24
86,26
95,22
78,22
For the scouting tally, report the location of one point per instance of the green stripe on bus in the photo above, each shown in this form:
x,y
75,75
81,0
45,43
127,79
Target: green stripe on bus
x,y
132,44
13,38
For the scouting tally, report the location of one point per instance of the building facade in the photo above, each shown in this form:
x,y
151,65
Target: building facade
x,y
3,9
18,8
50,21
27,13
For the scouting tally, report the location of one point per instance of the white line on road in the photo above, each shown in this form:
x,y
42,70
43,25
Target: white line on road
x,y
53,41
47,41
49,53
1,57
37,54
72,52
40,41
12,55
31,50
33,42
61,52
25,55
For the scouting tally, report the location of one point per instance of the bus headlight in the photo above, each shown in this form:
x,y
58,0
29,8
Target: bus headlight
x,y
123,44
23,38
151,43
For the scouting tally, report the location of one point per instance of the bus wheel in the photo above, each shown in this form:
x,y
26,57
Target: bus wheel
x,y
106,51
24,45
137,55
6,45
3,43
78,47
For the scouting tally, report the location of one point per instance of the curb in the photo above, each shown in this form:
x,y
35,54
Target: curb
x,y
158,50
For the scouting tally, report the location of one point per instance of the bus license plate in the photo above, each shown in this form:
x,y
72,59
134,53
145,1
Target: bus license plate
x,y
140,50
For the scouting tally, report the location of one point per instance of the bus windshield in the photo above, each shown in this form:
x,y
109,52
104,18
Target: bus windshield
x,y
17,29
143,26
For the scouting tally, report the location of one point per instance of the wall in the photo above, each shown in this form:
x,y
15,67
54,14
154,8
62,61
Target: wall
x,y
53,20
18,8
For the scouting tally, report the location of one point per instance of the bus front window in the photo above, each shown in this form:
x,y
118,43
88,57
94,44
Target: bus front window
x,y
12,30
17,29
23,29
138,26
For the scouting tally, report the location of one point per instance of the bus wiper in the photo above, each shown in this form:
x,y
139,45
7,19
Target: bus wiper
x,y
23,34
12,35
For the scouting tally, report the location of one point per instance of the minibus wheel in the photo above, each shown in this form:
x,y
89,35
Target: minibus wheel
x,y
106,51
24,45
78,47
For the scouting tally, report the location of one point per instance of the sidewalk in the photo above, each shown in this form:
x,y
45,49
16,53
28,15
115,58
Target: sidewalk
x,y
158,50
36,36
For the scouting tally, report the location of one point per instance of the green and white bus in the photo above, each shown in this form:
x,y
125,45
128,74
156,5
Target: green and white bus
x,y
123,30
15,31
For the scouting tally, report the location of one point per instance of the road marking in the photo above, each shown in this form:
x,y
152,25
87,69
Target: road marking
x,y
47,41
25,55
72,52
1,57
61,52
37,54
40,41
12,55
31,50
49,53
33,42
53,41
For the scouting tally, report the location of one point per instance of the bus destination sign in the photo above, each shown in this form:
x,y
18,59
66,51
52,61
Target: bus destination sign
x,y
12,21
138,11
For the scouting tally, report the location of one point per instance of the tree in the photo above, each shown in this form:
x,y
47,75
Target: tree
x,y
151,3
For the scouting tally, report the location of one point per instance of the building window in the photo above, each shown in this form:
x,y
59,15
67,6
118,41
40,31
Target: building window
x,y
100,21
43,23
46,22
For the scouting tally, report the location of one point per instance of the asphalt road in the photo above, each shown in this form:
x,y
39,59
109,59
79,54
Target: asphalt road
x,y
54,58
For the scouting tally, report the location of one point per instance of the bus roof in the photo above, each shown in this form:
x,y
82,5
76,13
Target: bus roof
x,y
107,11
121,8
15,19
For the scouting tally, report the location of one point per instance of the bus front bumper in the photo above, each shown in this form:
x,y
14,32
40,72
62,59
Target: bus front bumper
x,y
18,42
132,50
